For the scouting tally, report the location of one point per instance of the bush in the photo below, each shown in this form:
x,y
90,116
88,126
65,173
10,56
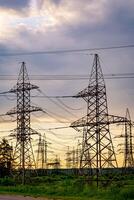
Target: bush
x,y
7,181
126,194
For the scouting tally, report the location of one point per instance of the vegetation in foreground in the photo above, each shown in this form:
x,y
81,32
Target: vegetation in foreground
x,y
71,187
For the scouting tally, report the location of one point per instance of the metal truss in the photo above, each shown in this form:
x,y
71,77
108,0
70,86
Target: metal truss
x,y
128,151
98,150
23,153
41,160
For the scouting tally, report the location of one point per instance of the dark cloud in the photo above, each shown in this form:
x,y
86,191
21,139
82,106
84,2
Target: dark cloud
x,y
56,1
14,4
116,29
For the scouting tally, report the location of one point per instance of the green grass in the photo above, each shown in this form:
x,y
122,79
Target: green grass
x,y
73,188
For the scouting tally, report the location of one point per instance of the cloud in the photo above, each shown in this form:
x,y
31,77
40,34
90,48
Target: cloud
x,y
71,12
51,24
15,4
67,24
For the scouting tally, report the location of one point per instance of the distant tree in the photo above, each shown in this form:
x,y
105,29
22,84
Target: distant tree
x,y
6,152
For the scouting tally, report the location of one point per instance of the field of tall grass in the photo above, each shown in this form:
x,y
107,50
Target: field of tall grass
x,y
71,187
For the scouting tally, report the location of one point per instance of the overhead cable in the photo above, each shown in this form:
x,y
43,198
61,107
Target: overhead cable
x,y
65,51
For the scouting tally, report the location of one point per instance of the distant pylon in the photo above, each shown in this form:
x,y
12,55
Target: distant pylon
x,y
40,161
128,151
97,121
78,153
56,162
110,157
23,154
46,151
68,158
85,159
73,158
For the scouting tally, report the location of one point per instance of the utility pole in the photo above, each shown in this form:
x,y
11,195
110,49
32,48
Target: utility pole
x,y
23,154
97,137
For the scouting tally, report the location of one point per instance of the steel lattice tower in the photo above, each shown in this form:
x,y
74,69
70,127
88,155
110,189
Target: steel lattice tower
x,y
78,153
85,159
96,122
68,158
23,153
128,151
41,160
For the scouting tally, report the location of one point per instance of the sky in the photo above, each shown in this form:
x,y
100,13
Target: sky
x,y
45,25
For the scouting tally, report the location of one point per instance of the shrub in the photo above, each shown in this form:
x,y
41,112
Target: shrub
x,y
7,181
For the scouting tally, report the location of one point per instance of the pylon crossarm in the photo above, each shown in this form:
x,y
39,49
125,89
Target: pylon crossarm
x,y
12,111
33,132
111,120
79,123
19,87
89,92
25,110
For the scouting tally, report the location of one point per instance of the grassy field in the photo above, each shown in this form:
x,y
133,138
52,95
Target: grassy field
x,y
69,187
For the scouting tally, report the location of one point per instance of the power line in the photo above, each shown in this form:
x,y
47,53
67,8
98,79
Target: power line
x,y
63,77
55,128
57,104
64,51
53,115
60,101
69,76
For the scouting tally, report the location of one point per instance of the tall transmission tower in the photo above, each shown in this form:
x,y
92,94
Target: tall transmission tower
x,y
68,158
85,159
78,153
46,151
23,153
128,151
73,158
41,160
96,122
40,153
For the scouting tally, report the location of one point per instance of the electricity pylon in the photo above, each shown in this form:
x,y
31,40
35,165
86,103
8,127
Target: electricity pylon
x,y
68,158
73,158
40,153
97,121
78,153
23,153
85,159
41,160
128,151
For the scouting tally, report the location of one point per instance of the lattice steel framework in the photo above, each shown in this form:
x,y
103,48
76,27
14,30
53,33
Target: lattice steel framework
x,y
96,122
68,158
128,151
41,161
78,154
85,159
23,153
